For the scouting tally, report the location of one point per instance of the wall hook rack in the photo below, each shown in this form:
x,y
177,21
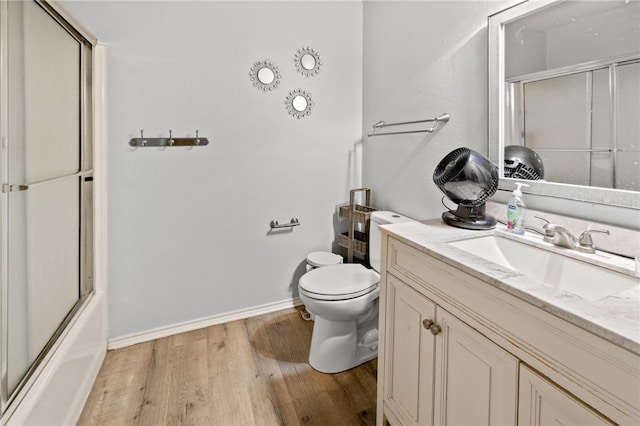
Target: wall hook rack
x,y
443,118
143,142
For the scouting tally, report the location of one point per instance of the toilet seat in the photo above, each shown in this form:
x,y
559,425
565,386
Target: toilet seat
x,y
318,259
339,282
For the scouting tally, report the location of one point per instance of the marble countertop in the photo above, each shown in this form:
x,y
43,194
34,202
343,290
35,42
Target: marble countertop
x,y
615,318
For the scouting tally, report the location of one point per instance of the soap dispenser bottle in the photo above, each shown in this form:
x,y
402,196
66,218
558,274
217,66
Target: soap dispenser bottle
x,y
516,211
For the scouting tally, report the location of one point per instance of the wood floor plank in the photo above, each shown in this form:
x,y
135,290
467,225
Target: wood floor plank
x,y
246,372
355,394
153,410
354,408
230,373
189,391
121,387
273,391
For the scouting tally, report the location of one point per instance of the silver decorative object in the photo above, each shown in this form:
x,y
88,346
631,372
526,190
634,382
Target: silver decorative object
x,y
299,103
308,61
265,75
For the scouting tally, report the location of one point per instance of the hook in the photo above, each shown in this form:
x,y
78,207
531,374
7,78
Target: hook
x,y
168,141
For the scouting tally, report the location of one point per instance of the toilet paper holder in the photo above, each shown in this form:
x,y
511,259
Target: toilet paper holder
x,y
275,225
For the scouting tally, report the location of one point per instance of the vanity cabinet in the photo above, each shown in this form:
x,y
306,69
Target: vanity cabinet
x,y
410,353
543,403
456,350
441,371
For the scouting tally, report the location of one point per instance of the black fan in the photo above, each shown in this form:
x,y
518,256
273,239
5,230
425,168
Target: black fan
x,y
522,163
468,179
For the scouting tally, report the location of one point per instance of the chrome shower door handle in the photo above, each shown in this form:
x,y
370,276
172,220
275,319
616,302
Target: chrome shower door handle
x,y
8,187
14,188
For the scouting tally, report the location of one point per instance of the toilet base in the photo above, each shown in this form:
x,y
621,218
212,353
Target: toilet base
x,y
341,345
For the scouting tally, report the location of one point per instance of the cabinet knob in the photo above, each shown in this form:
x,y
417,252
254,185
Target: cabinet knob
x,y
431,325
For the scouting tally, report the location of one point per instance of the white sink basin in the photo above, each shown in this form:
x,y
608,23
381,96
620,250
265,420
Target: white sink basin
x,y
583,279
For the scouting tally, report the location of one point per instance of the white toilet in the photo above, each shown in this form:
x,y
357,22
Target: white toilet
x,y
342,298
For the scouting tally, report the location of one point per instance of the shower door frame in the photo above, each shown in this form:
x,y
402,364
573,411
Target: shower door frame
x,y
84,178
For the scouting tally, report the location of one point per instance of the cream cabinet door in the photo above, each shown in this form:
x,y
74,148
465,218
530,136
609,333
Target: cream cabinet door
x,y
409,354
476,381
542,403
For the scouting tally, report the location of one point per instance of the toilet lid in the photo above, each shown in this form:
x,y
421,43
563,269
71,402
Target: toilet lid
x,y
323,258
345,280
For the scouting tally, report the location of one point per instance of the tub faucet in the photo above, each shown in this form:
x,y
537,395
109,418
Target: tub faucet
x,y
562,237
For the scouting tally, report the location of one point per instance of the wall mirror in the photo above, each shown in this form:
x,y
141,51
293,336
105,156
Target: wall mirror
x,y
308,62
265,75
299,103
564,81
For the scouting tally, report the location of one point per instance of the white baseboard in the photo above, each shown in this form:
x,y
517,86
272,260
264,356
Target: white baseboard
x,y
157,333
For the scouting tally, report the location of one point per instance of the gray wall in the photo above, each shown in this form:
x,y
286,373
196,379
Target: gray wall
x,y
188,229
422,59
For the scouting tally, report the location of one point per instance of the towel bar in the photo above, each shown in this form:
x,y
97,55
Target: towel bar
x,y
381,124
275,225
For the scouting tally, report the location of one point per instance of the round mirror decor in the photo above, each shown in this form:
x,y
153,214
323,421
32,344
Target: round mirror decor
x,y
265,75
307,61
299,103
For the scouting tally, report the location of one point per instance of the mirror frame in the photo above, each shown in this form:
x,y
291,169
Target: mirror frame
x,y
257,83
300,54
292,110
496,61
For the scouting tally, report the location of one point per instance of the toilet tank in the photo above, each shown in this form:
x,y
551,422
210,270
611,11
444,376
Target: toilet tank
x,y
380,218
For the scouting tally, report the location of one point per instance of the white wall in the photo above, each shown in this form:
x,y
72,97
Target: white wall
x,y
422,59
188,229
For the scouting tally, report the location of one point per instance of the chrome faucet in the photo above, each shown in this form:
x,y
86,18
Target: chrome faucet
x,y
585,243
562,237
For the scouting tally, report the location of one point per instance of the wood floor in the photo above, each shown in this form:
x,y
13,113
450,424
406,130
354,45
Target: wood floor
x,y
247,372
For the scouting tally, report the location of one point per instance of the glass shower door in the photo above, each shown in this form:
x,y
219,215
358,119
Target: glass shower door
x,y
46,173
